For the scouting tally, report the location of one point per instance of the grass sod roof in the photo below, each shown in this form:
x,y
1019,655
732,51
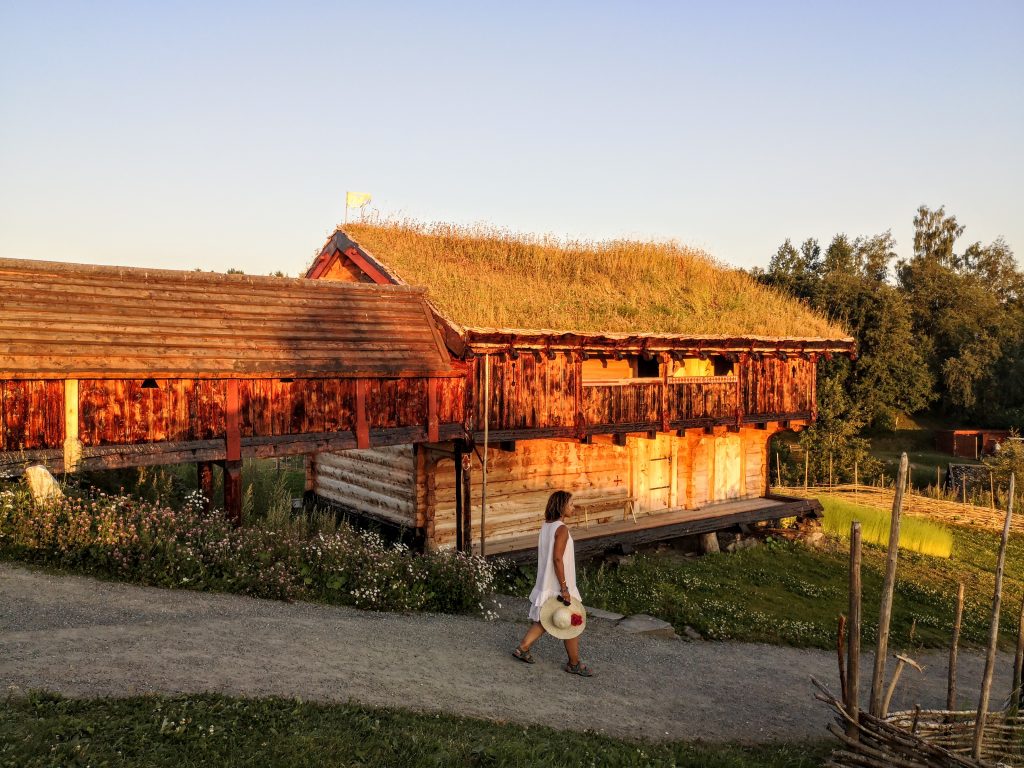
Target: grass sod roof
x,y
483,277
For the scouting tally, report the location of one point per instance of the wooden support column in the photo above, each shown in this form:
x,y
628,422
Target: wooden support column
x,y
577,394
433,429
309,461
362,425
459,536
72,445
233,455
204,482
740,366
467,500
666,417
233,491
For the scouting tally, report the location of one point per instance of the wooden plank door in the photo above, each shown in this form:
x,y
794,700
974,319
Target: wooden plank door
x,y
728,467
652,474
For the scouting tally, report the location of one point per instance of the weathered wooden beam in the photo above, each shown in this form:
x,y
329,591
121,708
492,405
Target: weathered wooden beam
x,y
362,426
204,482
432,423
233,422
460,544
72,445
467,499
509,446
619,439
233,491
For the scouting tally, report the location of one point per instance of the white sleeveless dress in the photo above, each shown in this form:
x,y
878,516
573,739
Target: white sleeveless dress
x,y
547,580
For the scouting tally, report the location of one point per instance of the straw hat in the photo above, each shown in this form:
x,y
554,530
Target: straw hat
x,y
563,621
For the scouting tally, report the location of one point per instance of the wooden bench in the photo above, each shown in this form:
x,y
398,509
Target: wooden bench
x,y
626,503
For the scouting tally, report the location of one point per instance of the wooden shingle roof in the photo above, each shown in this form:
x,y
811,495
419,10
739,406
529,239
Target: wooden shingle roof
x,y
78,321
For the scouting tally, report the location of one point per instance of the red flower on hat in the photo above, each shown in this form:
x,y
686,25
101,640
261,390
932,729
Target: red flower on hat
x,y
576,620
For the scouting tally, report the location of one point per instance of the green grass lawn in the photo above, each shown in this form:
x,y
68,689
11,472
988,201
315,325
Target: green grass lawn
x,y
210,730
791,593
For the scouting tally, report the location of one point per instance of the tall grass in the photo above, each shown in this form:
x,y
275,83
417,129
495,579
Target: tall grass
x,y
916,534
489,277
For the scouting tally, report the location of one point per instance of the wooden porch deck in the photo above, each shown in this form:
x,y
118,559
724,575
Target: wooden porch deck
x,y
662,526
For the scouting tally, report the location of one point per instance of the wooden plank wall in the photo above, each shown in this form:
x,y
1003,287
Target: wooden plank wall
x,y
704,469
378,481
774,386
531,393
527,393
121,412
31,415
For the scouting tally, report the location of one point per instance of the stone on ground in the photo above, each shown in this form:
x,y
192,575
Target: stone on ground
x,y
642,624
598,613
42,484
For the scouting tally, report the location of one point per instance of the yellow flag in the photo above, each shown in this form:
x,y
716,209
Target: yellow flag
x,y
356,199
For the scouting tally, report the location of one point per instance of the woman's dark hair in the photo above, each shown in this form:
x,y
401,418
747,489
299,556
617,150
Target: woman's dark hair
x,y
556,506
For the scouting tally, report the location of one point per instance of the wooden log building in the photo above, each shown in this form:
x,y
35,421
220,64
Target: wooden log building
x,y
105,367
657,434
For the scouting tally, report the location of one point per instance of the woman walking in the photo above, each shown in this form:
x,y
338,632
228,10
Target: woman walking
x,y
556,584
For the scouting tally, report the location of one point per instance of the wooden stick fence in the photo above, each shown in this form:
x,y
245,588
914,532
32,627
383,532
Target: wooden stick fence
x,y
919,738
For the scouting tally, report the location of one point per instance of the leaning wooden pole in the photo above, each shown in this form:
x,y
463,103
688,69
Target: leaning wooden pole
x,y
853,638
993,631
888,587
1018,662
954,648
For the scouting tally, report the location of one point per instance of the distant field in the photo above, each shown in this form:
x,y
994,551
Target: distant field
x,y
917,534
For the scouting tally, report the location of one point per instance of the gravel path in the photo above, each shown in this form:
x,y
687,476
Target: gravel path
x,y
83,637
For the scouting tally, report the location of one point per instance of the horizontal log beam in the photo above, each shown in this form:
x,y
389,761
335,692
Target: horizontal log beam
x,y
12,464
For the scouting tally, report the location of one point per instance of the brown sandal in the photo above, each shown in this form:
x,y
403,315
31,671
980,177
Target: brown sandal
x,y
580,669
524,656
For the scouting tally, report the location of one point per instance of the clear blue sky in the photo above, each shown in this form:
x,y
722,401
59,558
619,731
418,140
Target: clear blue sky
x,y
219,134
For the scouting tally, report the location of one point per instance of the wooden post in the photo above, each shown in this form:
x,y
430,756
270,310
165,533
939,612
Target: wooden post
x,y
709,543
938,481
807,459
72,445
778,470
309,464
993,632
233,491
1018,662
954,647
888,587
830,471
467,499
991,491
855,477
853,640
233,455
433,427
204,482
459,541
362,424
844,694
483,473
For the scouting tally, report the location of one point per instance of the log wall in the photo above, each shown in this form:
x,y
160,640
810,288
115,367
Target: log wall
x,y
662,474
380,482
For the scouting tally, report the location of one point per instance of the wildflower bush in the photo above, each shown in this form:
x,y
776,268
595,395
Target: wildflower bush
x,y
125,538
